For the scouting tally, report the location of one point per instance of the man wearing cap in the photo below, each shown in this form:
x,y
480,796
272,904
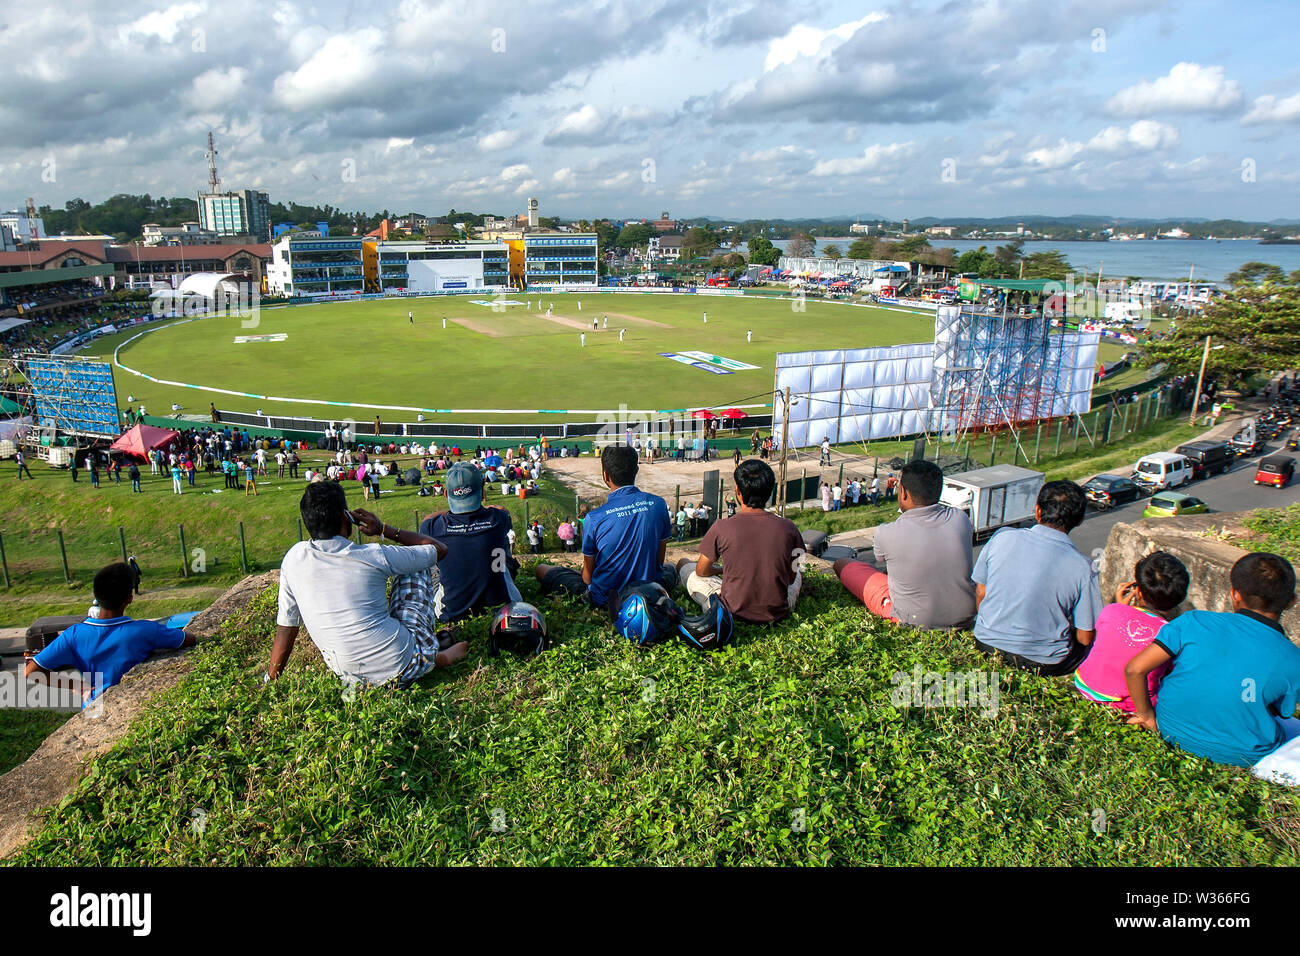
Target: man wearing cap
x,y
478,570
623,541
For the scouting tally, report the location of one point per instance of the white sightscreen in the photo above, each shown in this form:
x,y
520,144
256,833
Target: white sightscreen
x,y
854,394
867,394
1074,388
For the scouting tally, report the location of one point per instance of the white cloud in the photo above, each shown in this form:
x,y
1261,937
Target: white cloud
x,y
1143,135
217,89
1270,109
395,143
163,24
340,69
805,41
581,122
873,159
1187,88
1052,157
517,171
501,139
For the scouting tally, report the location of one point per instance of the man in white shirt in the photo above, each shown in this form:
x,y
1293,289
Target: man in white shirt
x,y
826,451
337,589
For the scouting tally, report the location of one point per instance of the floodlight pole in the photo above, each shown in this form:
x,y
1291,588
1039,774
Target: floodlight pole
x,y
785,451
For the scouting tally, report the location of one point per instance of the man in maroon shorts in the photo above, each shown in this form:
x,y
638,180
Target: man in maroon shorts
x,y
926,555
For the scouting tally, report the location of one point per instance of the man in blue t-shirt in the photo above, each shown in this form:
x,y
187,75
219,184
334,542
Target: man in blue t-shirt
x,y
105,647
623,541
478,571
1235,684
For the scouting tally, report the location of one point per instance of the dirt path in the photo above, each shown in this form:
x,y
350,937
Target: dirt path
x,y
569,322
664,476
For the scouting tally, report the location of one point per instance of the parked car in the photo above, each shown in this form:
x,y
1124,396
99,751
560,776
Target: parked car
x,y
1275,470
1162,470
1207,457
1106,491
1170,504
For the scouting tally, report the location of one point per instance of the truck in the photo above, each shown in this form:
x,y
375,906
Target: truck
x,y
996,497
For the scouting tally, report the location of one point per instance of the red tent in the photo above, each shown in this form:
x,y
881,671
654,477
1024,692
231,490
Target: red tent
x,y
142,439
703,413
733,413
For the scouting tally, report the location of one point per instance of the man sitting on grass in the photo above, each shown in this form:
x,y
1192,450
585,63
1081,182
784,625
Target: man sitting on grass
x,y
1036,596
926,555
1232,692
106,646
336,588
478,571
623,541
758,581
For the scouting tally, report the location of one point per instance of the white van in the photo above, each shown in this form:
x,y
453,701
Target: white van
x,y
1162,470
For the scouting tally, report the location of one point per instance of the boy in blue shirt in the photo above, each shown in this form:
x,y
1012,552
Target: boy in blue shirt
x,y
105,647
1232,693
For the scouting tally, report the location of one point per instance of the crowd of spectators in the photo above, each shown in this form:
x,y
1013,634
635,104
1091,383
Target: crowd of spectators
x,y
1031,601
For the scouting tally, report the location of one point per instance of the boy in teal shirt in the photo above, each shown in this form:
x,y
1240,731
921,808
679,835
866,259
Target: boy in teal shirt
x,y
1235,684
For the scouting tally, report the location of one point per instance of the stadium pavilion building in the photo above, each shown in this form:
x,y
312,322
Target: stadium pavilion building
x,y
424,267
560,259
316,266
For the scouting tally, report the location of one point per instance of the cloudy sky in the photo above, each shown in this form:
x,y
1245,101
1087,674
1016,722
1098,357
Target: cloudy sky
x,y
699,107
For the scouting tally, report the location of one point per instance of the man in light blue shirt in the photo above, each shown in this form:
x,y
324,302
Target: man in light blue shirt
x,y
1036,596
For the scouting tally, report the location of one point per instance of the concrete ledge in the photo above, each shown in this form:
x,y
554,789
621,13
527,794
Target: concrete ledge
x,y
50,773
1199,542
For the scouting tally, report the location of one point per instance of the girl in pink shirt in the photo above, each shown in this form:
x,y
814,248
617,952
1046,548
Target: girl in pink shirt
x,y
1124,629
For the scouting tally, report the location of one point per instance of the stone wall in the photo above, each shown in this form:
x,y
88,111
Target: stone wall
x,y
1197,541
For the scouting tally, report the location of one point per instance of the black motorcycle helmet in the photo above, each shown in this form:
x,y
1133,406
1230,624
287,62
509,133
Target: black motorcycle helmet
x,y
518,627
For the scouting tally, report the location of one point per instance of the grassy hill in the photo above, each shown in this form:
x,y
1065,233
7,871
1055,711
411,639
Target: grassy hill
x,y
787,748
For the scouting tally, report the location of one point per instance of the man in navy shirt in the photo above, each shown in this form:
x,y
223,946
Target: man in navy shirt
x,y
105,647
478,571
623,541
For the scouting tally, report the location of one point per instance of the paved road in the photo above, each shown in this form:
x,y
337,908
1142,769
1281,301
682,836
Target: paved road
x,y
1234,491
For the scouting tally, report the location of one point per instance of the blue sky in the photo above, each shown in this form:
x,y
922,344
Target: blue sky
x,y
1011,108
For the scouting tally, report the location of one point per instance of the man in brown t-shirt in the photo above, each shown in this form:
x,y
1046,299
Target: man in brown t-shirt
x,y
759,579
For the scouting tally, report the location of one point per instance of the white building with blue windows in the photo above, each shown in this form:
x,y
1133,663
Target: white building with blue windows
x,y
316,266
560,259
424,267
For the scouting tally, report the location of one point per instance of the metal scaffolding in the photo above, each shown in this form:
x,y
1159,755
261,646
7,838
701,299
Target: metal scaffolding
x,y
998,369
73,395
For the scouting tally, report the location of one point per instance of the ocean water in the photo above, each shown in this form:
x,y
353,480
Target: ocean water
x,y
1150,259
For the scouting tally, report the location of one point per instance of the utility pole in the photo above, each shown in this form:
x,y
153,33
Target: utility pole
x,y
785,452
1196,400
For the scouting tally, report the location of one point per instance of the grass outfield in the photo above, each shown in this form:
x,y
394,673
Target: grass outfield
x,y
367,352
